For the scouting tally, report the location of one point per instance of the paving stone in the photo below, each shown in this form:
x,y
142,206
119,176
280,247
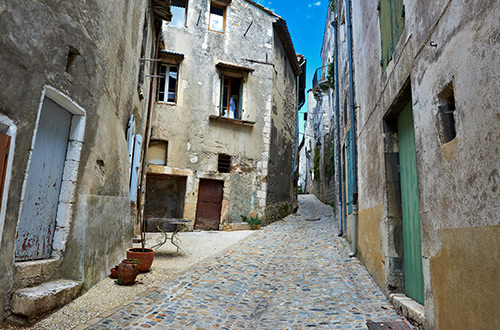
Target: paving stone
x,y
292,274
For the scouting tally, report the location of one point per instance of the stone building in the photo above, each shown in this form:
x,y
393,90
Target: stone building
x,y
418,133
71,80
224,121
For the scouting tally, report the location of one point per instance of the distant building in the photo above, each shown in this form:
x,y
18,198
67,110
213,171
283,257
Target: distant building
x,y
224,122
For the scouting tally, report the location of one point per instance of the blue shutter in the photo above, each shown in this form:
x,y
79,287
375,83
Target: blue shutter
x,y
135,168
350,171
130,141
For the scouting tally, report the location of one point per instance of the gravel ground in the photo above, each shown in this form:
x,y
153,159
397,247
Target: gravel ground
x,y
167,266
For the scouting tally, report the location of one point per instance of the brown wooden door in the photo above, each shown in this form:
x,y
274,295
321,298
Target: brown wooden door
x,y
4,157
209,204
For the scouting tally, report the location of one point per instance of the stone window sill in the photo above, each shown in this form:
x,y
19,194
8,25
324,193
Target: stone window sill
x,y
232,120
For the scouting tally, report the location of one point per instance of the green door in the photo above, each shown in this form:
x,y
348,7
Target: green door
x,y
412,247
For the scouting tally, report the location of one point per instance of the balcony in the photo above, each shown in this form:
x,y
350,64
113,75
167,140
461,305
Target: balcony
x,y
320,79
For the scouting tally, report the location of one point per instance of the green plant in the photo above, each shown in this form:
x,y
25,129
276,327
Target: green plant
x,y
332,5
333,206
300,190
316,163
252,220
330,73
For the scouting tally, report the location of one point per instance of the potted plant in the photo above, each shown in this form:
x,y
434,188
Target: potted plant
x,y
253,220
127,271
143,254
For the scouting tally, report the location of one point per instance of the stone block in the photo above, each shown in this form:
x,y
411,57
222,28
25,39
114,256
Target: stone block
x,y
261,194
64,213
410,309
77,128
59,242
36,301
74,150
35,272
70,170
67,194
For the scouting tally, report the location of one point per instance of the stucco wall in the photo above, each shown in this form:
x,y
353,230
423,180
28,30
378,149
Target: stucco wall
x,y
195,140
282,139
103,80
458,181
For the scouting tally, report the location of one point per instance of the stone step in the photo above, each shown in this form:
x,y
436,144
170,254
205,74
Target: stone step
x,y
31,303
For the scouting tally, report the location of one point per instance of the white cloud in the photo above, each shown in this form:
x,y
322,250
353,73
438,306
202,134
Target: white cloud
x,y
315,4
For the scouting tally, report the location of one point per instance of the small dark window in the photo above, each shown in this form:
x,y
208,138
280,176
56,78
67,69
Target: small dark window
x,y
72,54
446,115
224,163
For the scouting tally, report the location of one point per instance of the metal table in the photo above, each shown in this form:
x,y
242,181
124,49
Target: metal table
x,y
179,224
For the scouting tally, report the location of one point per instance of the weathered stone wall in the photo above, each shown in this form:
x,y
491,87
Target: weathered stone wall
x,y
195,140
36,39
445,45
282,140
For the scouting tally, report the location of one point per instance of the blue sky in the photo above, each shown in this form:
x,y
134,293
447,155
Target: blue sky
x,y
306,23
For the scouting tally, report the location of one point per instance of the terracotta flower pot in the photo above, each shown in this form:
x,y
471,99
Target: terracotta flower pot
x,y
114,272
145,257
127,272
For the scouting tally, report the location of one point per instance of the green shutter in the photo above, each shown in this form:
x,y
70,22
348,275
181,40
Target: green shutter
x,y
412,246
391,27
350,171
398,20
385,31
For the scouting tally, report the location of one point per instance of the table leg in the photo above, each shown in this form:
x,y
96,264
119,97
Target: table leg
x,y
161,240
175,240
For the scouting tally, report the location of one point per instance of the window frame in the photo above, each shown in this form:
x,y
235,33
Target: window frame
x,y
167,83
186,4
230,77
224,8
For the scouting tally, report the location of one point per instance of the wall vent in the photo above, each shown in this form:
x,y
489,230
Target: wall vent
x,y
224,163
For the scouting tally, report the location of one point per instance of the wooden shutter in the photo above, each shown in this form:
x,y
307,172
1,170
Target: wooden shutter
x,y
391,27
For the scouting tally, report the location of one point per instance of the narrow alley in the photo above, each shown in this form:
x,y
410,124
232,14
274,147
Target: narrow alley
x,y
293,274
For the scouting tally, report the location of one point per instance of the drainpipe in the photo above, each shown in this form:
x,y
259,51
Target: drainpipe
x,y
299,105
140,206
337,114
296,129
353,128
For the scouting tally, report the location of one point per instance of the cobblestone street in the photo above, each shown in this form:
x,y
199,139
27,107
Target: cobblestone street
x,y
293,274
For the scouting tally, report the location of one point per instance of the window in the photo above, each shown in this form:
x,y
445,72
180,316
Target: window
x,y
179,13
217,18
158,152
446,115
224,163
167,90
231,97
392,23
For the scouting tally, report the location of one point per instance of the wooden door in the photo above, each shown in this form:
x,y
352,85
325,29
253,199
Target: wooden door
x,y
4,157
412,246
37,221
209,204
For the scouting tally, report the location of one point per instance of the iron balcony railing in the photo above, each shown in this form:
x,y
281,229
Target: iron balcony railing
x,y
320,76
